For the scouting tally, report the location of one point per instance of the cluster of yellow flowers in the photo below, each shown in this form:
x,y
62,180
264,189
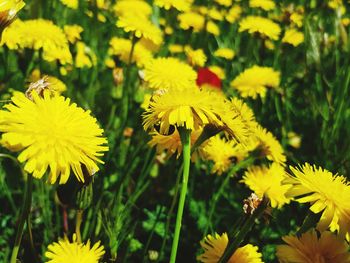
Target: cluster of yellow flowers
x,y
55,136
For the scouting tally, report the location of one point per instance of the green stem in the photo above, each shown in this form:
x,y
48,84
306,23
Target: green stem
x,y
170,213
241,165
126,90
24,215
247,226
186,144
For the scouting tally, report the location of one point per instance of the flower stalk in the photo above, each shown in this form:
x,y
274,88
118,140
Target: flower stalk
x,y
24,216
244,230
186,145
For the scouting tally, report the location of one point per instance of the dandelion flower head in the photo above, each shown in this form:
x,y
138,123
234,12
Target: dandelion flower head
x,y
73,32
221,152
190,108
293,37
170,143
225,3
121,47
53,134
140,26
327,193
261,25
311,248
263,4
65,251
191,20
268,181
254,81
132,7
180,5
169,73
39,34
195,57
73,4
85,57
268,145
233,14
225,53
214,247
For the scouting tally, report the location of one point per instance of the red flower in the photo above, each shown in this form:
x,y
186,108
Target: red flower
x,y
206,76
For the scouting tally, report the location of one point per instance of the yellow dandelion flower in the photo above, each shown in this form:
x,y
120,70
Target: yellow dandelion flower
x,y
85,56
203,10
296,19
121,48
214,247
171,144
73,32
39,34
195,57
175,48
335,4
263,4
226,53
52,133
243,110
169,73
140,27
146,100
220,72
66,251
213,28
132,7
268,181
215,14
293,37
221,152
8,12
225,3
191,20
313,248
233,14
269,145
327,193
181,5
255,81
261,25
345,21
74,4
190,108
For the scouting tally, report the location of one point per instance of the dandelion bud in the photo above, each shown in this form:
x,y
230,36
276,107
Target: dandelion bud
x,y
153,255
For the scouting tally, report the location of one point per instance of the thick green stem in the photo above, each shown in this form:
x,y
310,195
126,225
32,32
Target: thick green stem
x,y
170,213
244,230
186,145
24,215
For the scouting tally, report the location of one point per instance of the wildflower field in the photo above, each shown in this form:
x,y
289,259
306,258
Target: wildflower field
x,y
174,131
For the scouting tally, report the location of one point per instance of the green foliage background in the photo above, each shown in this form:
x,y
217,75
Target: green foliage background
x,y
133,191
